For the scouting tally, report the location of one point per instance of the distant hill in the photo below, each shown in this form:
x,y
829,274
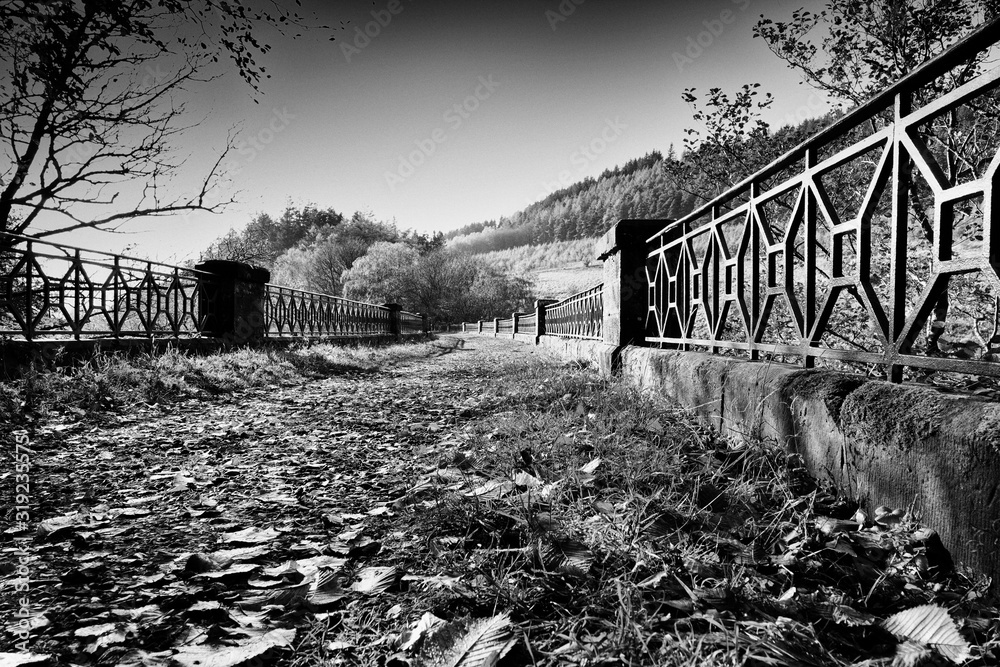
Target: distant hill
x,y
651,187
556,270
640,188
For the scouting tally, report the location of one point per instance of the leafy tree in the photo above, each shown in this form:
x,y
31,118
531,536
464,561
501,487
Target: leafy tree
x,y
382,275
318,261
853,49
88,104
264,239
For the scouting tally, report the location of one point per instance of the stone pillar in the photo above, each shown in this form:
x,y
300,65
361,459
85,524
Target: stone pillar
x,y
231,301
626,288
540,306
480,327
496,327
423,324
395,325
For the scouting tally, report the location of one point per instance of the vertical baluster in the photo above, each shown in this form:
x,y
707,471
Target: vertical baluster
x,y
77,267
897,262
755,330
150,290
809,252
29,318
117,308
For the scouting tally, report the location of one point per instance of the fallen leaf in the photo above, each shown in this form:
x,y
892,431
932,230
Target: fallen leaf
x,y
480,642
930,625
24,659
250,536
375,580
231,656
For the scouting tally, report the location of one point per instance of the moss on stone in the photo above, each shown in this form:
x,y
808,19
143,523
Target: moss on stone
x,y
832,388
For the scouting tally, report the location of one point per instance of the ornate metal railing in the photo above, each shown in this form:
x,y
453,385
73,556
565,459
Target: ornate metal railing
x,y
57,291
579,316
49,290
411,323
847,248
505,326
294,312
527,324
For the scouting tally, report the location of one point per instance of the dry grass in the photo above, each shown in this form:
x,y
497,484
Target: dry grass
x,y
615,531
109,381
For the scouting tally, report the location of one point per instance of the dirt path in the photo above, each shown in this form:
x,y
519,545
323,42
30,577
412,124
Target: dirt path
x,y
470,496
277,472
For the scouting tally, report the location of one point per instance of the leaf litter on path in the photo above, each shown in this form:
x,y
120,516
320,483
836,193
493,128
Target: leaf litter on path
x,y
467,509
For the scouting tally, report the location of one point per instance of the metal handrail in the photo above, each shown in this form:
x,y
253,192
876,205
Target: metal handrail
x,y
793,268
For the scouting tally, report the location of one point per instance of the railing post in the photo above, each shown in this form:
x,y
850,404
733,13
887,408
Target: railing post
x,y
514,323
423,324
231,300
496,327
540,306
480,327
626,288
395,319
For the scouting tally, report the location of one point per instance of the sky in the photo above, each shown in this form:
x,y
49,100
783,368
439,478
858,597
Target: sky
x,y
441,113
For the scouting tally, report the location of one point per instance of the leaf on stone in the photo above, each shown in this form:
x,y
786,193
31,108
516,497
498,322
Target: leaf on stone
x,y
231,656
482,643
930,625
375,580
250,536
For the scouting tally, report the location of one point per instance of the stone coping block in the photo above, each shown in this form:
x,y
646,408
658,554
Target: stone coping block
x,y
904,446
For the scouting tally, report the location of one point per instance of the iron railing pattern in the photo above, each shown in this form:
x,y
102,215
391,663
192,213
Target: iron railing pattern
x,y
295,312
579,316
505,326
876,229
51,290
411,323
57,291
527,324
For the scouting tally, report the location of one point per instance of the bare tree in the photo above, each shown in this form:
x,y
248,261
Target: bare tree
x,y
90,104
